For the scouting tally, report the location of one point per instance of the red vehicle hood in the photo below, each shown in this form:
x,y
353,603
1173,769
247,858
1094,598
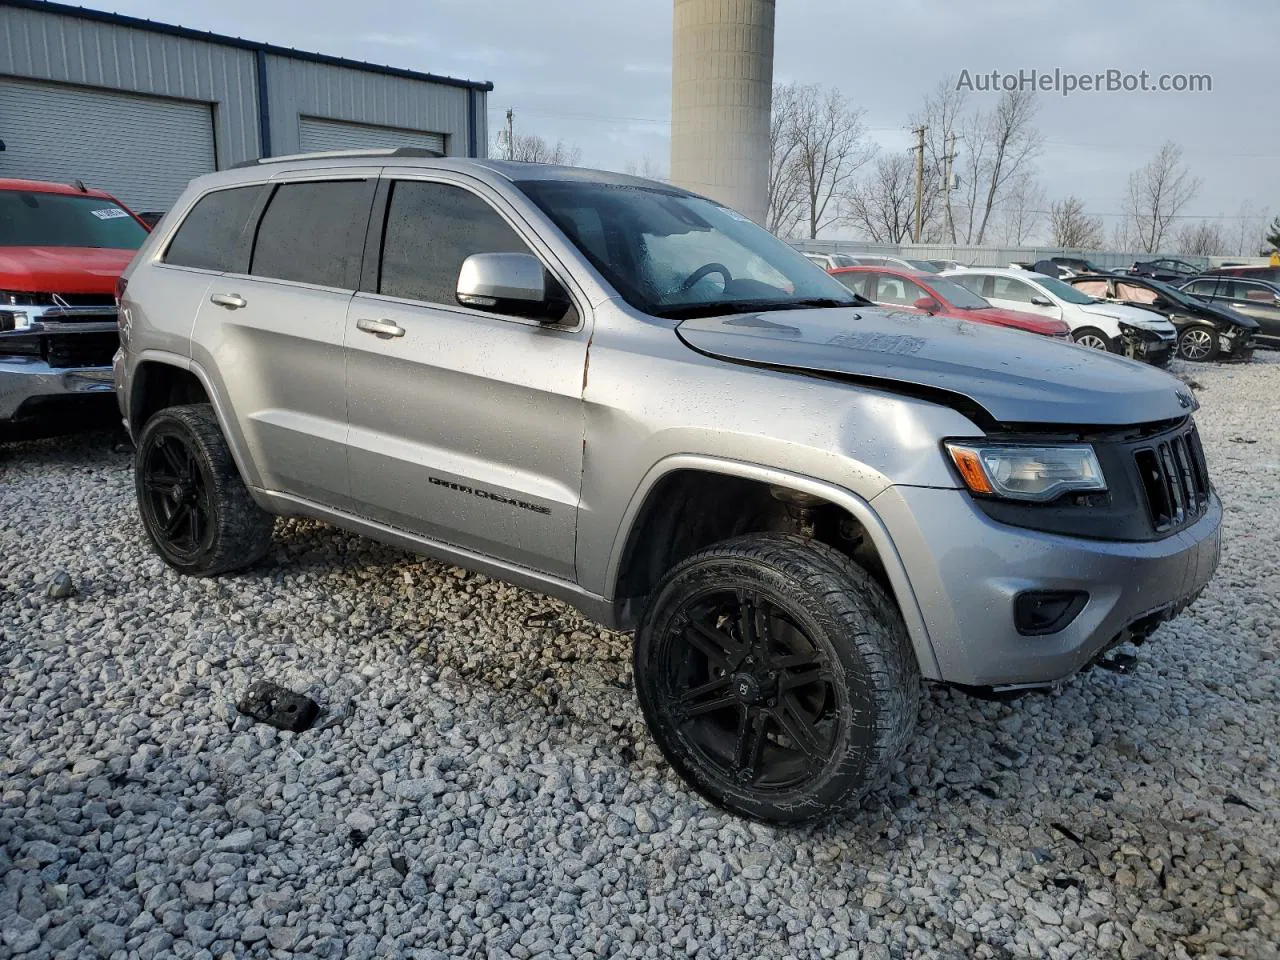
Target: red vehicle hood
x,y
1032,322
62,269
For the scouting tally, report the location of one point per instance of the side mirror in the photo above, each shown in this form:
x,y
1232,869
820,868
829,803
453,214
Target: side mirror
x,y
928,305
1041,302
511,283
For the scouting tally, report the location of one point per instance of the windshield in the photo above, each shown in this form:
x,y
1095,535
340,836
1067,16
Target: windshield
x,y
924,265
843,260
959,297
674,255
33,219
1063,291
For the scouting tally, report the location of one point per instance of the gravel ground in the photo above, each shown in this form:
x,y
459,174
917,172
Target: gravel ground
x,y
480,784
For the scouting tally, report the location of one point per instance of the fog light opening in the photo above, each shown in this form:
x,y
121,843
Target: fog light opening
x,y
1040,612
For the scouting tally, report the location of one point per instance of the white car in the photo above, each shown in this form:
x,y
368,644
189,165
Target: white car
x,y
831,261
1138,333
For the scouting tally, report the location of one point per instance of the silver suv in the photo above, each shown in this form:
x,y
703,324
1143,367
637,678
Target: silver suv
x,y
632,398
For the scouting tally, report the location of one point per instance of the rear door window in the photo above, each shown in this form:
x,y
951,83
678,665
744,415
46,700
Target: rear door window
x,y
314,232
857,282
210,236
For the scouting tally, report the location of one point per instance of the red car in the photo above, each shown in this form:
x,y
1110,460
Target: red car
x,y
920,292
62,248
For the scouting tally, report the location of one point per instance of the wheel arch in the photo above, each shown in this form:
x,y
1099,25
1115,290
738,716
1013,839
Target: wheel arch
x,y
636,525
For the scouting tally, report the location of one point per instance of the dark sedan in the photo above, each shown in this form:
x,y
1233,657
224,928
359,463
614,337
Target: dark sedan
x,y
1256,299
1206,331
1169,270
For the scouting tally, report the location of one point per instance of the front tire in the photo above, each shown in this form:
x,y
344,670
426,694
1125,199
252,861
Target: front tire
x,y
1198,344
194,506
776,677
1095,339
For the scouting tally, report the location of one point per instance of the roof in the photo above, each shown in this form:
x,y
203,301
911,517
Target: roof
x,y
169,29
894,269
48,186
995,272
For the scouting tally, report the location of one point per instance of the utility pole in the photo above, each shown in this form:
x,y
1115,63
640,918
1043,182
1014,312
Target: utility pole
x,y
950,158
919,131
511,143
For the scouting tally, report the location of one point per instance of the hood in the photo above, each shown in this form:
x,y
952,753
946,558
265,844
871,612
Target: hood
x,y
1220,314
1047,326
1013,377
62,269
1134,316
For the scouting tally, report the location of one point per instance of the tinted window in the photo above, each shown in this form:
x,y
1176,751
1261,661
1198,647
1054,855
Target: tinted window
x,y
314,233
208,237
33,219
431,229
1200,288
1254,291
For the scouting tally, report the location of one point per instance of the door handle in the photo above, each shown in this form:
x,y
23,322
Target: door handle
x,y
384,329
232,301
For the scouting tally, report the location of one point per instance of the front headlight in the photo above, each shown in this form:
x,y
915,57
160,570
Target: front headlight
x,y
1036,474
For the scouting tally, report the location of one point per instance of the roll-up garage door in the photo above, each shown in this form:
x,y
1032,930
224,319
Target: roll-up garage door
x,y
315,133
142,149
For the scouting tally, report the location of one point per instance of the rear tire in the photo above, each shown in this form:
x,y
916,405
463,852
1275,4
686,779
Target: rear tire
x,y
1198,344
776,677
1095,339
194,506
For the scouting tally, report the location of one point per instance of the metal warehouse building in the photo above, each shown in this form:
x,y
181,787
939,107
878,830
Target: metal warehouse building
x,y
139,108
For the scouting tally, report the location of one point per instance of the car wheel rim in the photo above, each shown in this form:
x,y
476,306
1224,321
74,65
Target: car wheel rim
x,y
175,495
1196,344
1092,341
750,694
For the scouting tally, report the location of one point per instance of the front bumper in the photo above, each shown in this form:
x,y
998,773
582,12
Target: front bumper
x,y
1147,345
967,569
25,381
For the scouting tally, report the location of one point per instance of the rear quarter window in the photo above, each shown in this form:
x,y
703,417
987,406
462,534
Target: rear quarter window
x,y
210,235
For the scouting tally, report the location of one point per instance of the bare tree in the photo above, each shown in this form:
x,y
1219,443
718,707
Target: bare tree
x,y
1070,226
990,153
1273,234
532,148
822,145
882,205
646,167
942,115
786,209
1021,211
1157,193
1202,239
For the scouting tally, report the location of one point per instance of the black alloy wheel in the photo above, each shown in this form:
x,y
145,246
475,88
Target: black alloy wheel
x,y
776,676
194,505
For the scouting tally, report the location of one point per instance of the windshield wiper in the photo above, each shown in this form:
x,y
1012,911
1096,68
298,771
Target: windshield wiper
x,y
726,307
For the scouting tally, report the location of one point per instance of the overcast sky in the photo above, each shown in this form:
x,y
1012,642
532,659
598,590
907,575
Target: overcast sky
x,y
597,74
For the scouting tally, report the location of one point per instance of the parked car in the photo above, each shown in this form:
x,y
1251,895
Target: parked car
x,y
917,292
1169,270
151,217
1080,265
1246,272
946,265
622,394
1256,299
1205,331
867,260
831,261
61,250
1101,326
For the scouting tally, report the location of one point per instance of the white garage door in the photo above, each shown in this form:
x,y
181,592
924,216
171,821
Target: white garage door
x,y
317,134
142,149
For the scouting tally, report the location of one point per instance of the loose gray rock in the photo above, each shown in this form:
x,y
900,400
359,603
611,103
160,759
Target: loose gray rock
x,y
60,586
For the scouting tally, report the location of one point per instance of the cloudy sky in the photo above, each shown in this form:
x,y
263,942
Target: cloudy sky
x,y
597,74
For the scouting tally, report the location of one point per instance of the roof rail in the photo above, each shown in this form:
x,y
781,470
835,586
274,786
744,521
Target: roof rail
x,y
345,154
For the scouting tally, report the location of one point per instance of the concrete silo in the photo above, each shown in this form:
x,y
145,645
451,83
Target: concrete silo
x,y
721,92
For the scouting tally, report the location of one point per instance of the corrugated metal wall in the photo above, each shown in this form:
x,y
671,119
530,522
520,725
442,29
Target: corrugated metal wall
x,y
298,87
47,46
